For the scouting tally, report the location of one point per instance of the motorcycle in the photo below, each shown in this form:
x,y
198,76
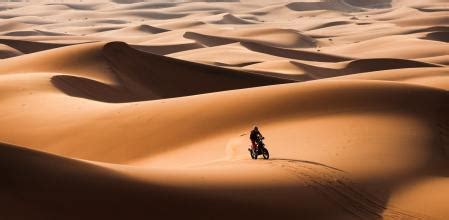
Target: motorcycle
x,y
259,150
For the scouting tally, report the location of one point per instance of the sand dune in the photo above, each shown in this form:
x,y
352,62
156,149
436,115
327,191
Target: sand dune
x,y
328,24
94,191
433,77
82,60
303,71
294,54
309,103
442,60
181,24
321,5
130,109
233,54
29,46
33,33
208,40
135,31
393,47
12,25
270,37
7,51
147,76
368,65
232,19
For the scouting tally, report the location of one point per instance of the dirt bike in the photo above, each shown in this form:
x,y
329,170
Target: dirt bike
x,y
259,150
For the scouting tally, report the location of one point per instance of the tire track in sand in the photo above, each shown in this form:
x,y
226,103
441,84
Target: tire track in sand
x,y
335,186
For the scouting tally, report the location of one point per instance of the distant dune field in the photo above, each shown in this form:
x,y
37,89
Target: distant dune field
x,y
128,109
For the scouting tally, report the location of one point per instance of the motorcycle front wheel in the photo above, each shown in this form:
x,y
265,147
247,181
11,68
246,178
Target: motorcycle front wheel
x,y
265,154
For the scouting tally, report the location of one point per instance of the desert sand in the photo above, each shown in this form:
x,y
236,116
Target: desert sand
x,y
125,109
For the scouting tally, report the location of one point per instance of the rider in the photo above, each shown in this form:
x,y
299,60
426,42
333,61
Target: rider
x,y
254,136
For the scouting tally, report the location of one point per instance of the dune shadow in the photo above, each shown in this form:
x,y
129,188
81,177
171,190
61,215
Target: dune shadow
x,y
436,28
370,3
442,36
166,49
90,89
30,46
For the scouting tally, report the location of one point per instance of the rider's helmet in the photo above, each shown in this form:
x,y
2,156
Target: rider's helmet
x,y
256,128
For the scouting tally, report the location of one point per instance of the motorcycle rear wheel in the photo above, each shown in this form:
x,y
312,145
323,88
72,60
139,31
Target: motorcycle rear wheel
x,y
254,154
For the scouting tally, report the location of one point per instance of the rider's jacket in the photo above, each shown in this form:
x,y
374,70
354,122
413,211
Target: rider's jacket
x,y
254,134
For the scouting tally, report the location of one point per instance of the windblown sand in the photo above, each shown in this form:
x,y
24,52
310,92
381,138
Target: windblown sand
x,y
125,109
